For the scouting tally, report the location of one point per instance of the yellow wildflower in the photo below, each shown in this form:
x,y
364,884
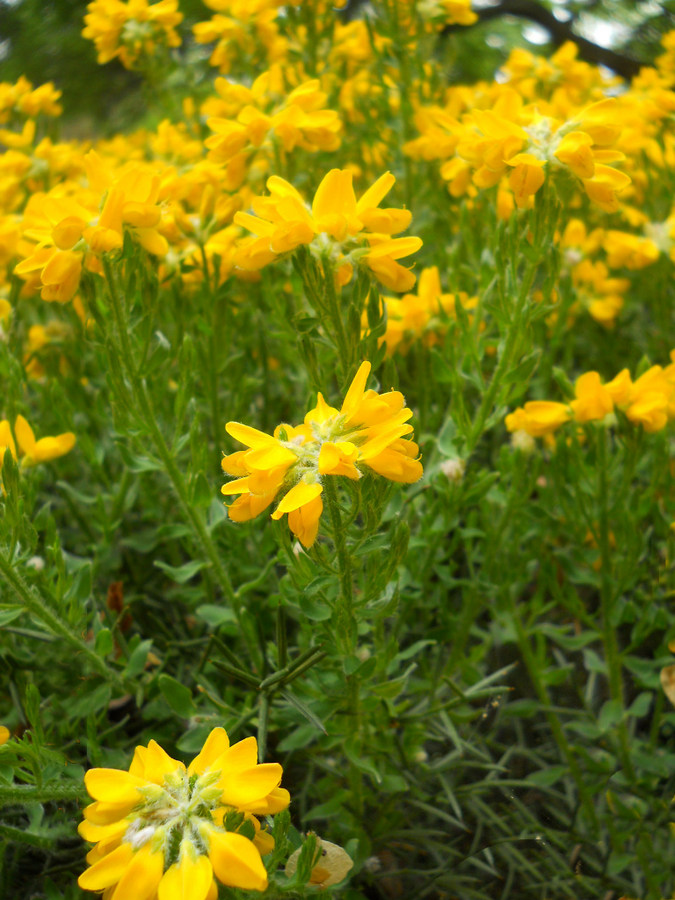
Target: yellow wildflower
x,y
366,432
337,228
423,314
165,830
592,400
5,734
132,30
539,418
35,452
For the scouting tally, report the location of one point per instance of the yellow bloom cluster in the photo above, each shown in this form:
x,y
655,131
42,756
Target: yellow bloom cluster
x,y
246,117
368,431
338,228
512,132
67,229
20,98
422,316
131,31
649,402
166,831
242,29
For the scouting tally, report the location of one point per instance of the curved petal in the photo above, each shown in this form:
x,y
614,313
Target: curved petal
x,y
107,871
190,879
298,495
215,745
236,861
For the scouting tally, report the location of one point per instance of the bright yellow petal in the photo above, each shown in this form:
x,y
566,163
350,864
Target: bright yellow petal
x,y
356,390
108,870
236,862
24,435
215,745
376,193
251,437
142,876
241,788
190,879
113,785
298,495
335,195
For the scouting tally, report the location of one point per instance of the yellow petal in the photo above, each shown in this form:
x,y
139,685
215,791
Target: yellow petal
x,y
106,813
236,862
215,745
335,195
142,876
356,390
298,495
68,232
241,788
376,193
94,833
24,435
190,879
6,439
251,437
113,785
48,448
108,870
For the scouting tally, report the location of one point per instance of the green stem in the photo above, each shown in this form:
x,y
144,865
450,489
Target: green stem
x,y
263,720
612,654
140,394
505,360
12,794
554,723
39,608
346,620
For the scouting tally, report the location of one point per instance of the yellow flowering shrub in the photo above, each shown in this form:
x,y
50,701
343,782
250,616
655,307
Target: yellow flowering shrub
x,y
453,632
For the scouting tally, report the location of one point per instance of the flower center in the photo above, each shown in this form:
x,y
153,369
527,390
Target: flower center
x,y
176,810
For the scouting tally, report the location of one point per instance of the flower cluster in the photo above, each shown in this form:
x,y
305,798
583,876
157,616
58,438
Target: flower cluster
x,y
367,432
62,230
337,228
165,830
422,316
131,31
243,118
649,401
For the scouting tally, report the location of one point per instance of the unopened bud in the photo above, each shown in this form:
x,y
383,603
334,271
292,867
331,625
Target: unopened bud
x,y
453,469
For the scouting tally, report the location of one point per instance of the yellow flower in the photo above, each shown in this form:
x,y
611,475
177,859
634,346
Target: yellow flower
x,y
367,431
538,418
422,315
5,734
338,228
593,401
132,30
166,831
47,448
519,137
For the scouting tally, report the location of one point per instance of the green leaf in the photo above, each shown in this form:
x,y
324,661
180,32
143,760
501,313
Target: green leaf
x,y
446,439
177,696
304,710
641,705
215,616
137,659
181,574
547,777
611,715
90,702
8,615
104,642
